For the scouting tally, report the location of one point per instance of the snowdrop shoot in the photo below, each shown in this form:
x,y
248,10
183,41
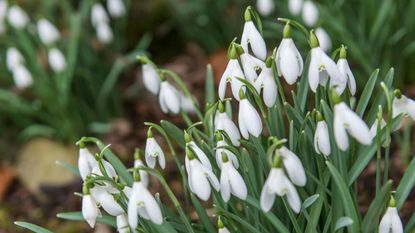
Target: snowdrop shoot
x,y
288,59
348,122
265,7
231,182
17,17
391,222
345,70
249,120
321,137
267,83
142,203
225,123
322,67
252,38
153,152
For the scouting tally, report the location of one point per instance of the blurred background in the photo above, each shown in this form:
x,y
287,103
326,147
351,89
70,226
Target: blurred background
x,y
69,69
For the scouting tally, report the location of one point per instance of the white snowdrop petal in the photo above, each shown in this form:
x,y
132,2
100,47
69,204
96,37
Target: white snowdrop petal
x,y
116,8
313,71
132,210
13,58
17,17
267,198
293,166
225,189
289,61
252,37
322,139
22,77
169,98
151,79
295,6
248,66
293,199
106,200
251,118
98,15
324,39
270,90
242,126
48,33
104,33
151,206
57,60
310,13
89,210
223,230
150,161
340,134
201,155
200,183
355,126
237,183
230,128
265,7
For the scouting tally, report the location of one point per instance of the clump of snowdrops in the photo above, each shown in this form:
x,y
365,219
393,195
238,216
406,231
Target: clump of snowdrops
x,y
289,163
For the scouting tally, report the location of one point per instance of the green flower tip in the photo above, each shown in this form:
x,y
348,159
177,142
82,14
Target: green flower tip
x,y
269,61
232,54
143,59
220,223
136,175
187,137
397,93
162,77
239,49
218,136
343,52
287,30
85,189
335,97
137,154
319,116
221,107
392,202
149,133
189,153
277,161
224,157
313,40
81,144
242,94
248,14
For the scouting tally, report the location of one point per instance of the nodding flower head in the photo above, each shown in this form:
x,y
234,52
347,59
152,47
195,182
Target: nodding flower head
x,y
252,37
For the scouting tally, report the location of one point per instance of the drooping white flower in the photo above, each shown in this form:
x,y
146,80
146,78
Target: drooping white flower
x,y
391,222
104,33
322,139
293,166
310,13
248,118
13,58
288,59
232,72
47,32
17,17
322,67
324,39
231,182
143,174
151,78
277,183
252,37
402,104
267,83
90,210
22,77
265,7
116,8
200,178
143,204
201,156
220,148
295,6
225,123
57,60
251,65
186,103
374,127
98,15
122,224
169,98
223,230
104,197
153,152
345,70
348,122
86,162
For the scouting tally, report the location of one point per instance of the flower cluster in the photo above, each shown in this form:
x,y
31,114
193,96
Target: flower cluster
x,y
100,20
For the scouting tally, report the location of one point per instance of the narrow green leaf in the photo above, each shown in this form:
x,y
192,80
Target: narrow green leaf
x,y
209,86
77,216
367,93
201,212
69,167
32,227
309,201
343,222
405,185
173,132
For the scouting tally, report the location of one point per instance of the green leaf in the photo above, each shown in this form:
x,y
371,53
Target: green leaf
x,y
173,132
367,93
69,167
343,222
201,212
405,185
346,198
209,86
77,216
32,227
309,201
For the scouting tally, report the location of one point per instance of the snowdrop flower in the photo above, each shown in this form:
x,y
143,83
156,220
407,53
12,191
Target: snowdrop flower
x,y
22,77
86,161
104,33
390,222
220,149
295,6
13,58
267,83
288,59
374,127
324,39
348,122
225,123
402,104
116,8
232,72
251,65
249,119
17,17
90,210
199,152
143,204
169,98
186,103
56,60
153,152
3,14
137,164
345,70
321,137
105,197
277,183
322,67
292,165
251,36
151,79
231,182
200,177
265,7
122,224
98,15
310,13
48,33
